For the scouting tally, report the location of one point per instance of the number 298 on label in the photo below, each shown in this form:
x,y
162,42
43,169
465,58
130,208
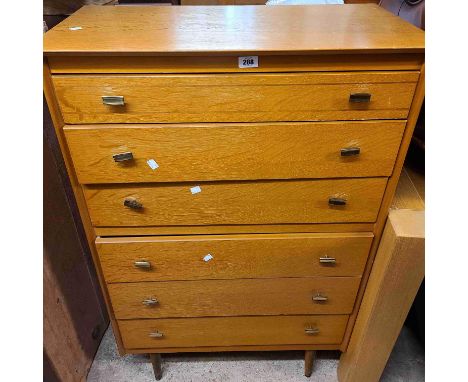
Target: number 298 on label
x,y
248,62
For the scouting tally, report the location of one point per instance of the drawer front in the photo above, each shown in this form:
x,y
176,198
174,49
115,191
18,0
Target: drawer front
x,y
231,331
305,201
244,297
233,152
234,97
134,259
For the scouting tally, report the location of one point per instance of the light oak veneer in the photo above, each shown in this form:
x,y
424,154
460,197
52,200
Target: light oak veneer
x,y
148,30
232,331
203,152
242,297
267,202
263,144
233,256
235,97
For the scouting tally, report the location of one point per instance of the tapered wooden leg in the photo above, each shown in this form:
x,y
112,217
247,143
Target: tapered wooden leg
x,y
156,361
308,362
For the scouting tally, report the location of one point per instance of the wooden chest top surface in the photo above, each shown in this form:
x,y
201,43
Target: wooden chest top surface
x,y
149,30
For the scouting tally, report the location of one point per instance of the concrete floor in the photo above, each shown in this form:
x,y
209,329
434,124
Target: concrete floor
x,y
406,364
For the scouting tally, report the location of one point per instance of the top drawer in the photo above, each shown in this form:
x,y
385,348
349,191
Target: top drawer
x,y
235,97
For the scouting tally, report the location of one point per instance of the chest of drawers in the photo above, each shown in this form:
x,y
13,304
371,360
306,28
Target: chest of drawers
x,y
233,166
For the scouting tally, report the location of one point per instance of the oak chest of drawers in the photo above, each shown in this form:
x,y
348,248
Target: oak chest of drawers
x,y
233,166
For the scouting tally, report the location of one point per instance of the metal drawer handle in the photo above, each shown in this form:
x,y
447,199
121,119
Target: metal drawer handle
x,y
133,204
312,331
150,301
122,157
335,201
359,97
142,264
113,100
327,260
319,298
350,151
156,334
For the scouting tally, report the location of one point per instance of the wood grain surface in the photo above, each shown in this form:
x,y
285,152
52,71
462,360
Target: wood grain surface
x,y
216,64
231,331
72,306
388,197
205,349
407,195
242,297
393,283
234,229
267,202
233,256
232,29
249,97
233,151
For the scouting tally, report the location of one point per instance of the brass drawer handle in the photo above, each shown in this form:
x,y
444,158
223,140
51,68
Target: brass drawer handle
x,y
156,334
359,97
319,298
327,260
142,264
335,201
133,204
150,301
113,100
122,157
350,151
312,331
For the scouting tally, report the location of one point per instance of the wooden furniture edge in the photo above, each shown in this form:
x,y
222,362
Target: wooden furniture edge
x,y
233,229
388,297
78,193
387,200
406,195
221,64
195,53
257,236
209,349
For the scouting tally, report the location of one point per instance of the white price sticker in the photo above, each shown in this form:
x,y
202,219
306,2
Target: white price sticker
x,y
248,62
152,163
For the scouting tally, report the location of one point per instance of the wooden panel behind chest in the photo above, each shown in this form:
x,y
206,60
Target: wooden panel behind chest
x,y
229,331
234,97
243,297
233,151
267,202
232,256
